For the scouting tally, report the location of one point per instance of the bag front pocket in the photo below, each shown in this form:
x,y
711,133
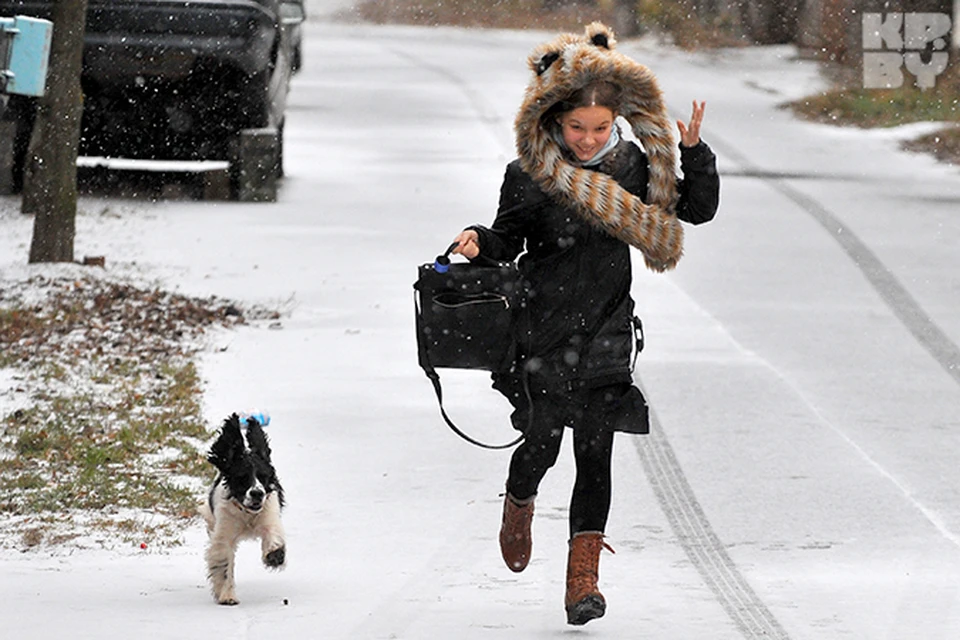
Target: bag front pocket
x,y
451,300
469,331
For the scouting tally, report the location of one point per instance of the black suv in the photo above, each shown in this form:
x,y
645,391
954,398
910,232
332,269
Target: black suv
x,y
175,79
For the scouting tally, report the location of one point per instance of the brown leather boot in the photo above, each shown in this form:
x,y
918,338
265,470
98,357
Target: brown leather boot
x,y
515,539
584,602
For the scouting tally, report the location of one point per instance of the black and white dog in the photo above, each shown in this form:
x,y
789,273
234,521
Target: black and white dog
x,y
244,502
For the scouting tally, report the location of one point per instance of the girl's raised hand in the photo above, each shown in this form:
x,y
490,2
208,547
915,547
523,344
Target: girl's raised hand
x,y
690,134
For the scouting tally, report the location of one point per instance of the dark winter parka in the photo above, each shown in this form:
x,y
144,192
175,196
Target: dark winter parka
x,y
576,225
577,326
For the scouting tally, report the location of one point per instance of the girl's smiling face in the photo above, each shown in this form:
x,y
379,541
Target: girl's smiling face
x,y
586,130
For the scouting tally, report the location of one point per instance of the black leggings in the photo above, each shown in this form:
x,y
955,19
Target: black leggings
x,y
593,451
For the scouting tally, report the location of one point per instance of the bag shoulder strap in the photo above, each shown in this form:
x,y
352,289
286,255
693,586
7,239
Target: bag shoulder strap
x,y
435,379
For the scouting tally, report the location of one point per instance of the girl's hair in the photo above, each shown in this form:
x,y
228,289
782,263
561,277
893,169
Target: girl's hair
x,y
599,93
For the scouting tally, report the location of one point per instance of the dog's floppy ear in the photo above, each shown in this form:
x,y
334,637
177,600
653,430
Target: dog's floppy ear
x,y
228,444
257,440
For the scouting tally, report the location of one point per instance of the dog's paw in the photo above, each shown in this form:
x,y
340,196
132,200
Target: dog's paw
x,y
276,558
229,601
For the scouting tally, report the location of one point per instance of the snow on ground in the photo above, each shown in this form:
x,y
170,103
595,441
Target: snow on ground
x,y
801,481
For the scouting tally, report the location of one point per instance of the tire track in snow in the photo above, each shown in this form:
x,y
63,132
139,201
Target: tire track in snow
x,y
698,540
920,325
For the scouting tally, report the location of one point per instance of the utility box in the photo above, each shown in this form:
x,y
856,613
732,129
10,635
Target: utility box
x,y
24,55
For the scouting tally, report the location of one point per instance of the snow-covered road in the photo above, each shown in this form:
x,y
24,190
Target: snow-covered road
x,y
801,480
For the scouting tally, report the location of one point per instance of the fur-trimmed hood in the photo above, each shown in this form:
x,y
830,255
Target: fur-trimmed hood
x,y
564,65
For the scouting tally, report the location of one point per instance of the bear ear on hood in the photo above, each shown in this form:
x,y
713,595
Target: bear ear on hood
x,y
600,36
545,61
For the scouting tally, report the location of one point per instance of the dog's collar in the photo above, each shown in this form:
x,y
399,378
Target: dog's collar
x,y
239,505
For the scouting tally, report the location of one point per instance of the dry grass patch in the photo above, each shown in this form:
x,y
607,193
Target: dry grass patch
x,y
853,105
108,437
944,145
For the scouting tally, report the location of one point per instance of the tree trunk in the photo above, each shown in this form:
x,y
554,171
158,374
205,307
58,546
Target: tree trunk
x,y
50,183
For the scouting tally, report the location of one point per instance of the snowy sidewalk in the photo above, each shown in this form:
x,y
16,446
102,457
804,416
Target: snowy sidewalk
x,y
784,420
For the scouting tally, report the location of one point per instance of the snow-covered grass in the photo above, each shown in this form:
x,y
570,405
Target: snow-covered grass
x,y
105,428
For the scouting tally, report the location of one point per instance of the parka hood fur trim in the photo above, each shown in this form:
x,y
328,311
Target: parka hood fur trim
x,y
564,65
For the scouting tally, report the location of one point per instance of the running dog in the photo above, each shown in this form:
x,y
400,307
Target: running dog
x,y
244,502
